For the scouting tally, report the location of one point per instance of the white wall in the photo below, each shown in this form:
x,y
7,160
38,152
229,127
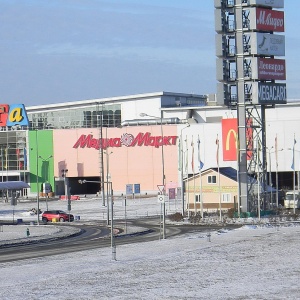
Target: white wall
x,y
283,121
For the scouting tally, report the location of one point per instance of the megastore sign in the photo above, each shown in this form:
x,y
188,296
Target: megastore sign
x,y
126,139
269,93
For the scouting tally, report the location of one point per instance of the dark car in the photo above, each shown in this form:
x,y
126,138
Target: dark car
x,y
56,215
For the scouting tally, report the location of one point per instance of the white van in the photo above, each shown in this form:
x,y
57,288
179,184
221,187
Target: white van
x,y
289,199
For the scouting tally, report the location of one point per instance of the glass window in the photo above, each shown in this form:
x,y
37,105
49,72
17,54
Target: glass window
x,y
80,117
226,197
212,179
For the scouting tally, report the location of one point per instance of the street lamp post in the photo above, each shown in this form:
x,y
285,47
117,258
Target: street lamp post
x,y
113,244
270,173
294,180
37,178
101,156
182,184
112,237
277,201
107,181
64,175
163,166
294,177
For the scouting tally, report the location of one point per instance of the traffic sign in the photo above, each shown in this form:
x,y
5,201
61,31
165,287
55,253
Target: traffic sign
x,y
161,188
160,198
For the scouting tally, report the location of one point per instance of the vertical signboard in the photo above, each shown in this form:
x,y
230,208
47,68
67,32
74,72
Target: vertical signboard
x,y
137,188
230,139
129,189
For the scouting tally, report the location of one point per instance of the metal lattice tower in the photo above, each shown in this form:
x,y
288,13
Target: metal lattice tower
x,y
243,29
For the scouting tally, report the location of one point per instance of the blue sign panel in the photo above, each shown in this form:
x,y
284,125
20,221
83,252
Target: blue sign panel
x,y
137,188
129,189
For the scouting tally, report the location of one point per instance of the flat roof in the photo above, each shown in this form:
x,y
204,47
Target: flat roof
x,y
13,185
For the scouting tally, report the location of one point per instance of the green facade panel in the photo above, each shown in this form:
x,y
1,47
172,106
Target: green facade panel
x,y
41,159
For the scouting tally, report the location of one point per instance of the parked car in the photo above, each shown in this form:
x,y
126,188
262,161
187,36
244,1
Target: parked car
x,y
289,199
57,215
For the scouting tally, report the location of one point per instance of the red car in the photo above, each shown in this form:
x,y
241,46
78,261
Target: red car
x,y
58,215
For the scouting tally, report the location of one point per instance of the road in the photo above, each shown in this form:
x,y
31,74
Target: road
x,y
94,236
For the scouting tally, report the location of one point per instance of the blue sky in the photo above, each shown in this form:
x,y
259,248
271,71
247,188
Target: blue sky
x,y
65,50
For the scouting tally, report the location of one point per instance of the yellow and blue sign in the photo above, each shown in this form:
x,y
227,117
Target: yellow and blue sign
x,y
12,115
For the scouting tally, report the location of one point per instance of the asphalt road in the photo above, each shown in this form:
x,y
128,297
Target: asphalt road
x,y
96,236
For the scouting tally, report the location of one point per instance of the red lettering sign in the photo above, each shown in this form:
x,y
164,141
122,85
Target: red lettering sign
x,y
269,20
270,68
128,140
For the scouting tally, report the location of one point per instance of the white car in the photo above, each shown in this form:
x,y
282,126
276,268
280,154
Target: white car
x,y
289,200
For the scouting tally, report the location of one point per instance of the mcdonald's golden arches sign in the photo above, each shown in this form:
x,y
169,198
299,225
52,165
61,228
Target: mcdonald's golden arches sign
x,y
230,139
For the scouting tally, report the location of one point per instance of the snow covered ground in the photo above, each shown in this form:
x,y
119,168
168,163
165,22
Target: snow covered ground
x,y
253,262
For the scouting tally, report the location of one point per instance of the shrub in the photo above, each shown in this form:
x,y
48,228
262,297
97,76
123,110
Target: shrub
x,y
177,217
230,213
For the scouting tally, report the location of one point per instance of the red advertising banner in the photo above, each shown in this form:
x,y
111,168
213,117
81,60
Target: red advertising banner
x,y
230,139
269,20
271,69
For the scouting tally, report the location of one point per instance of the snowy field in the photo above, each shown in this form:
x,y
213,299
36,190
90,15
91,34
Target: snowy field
x,y
253,262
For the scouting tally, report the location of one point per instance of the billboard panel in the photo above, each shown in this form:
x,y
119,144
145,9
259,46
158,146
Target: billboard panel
x,y
269,3
267,44
268,69
230,139
269,20
269,93
266,19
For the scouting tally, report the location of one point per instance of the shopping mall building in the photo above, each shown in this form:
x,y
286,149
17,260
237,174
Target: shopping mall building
x,y
136,142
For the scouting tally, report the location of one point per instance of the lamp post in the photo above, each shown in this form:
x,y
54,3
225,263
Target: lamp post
x,y
101,156
270,171
182,184
294,177
270,177
163,165
277,201
37,178
46,160
2,165
113,244
64,175
112,237
107,181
